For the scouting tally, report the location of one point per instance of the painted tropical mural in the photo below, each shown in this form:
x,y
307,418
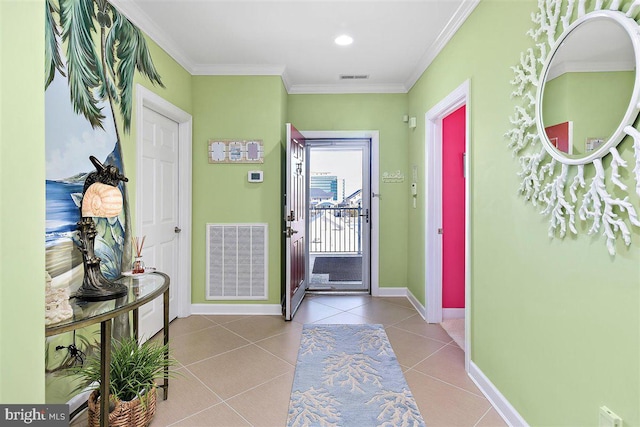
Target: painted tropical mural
x,y
91,54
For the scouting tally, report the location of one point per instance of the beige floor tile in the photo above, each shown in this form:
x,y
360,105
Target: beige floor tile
x,y
190,348
402,301
448,366
255,328
266,405
411,348
239,370
187,396
187,325
312,311
491,419
221,319
217,416
418,325
286,345
377,311
342,302
445,405
254,379
343,319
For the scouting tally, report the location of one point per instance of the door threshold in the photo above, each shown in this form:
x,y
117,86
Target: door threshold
x,y
321,292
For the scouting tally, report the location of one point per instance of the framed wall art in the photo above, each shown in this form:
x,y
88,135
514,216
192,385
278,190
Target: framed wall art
x,y
236,151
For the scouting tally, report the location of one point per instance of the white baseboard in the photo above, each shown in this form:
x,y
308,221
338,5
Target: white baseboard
x,y
452,313
238,309
391,292
499,402
422,310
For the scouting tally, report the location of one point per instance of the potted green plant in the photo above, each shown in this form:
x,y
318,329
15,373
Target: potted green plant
x,y
132,386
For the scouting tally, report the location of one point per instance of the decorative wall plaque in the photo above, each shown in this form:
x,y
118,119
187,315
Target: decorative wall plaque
x,y
232,151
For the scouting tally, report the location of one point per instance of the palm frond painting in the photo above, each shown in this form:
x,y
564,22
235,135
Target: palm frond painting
x,y
92,53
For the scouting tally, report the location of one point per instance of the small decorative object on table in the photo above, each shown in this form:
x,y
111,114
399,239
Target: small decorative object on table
x,y
57,303
138,263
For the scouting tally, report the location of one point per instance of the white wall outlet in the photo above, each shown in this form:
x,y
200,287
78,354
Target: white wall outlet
x,y
608,418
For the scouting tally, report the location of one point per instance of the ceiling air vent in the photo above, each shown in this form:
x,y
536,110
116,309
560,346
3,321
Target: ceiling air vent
x,y
354,76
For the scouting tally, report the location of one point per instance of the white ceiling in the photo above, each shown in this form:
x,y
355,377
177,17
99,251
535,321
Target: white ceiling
x,y
394,40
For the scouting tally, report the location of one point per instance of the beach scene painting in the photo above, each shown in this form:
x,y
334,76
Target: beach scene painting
x,y
92,52
70,140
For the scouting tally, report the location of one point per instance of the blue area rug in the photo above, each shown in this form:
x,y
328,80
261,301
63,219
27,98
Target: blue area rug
x,y
348,376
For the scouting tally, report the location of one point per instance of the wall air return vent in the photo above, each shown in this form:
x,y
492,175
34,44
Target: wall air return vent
x,y
354,76
236,262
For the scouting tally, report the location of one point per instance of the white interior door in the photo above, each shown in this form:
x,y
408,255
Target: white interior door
x,y
157,196
295,222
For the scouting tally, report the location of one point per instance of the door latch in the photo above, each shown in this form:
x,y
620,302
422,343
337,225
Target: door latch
x,y
365,215
288,232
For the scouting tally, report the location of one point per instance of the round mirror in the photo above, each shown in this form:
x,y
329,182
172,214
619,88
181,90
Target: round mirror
x,y
589,88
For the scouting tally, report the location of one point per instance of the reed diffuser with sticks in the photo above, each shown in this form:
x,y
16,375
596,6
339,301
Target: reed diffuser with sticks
x,y
138,263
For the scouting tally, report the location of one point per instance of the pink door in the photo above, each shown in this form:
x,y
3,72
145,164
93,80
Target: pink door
x,y
453,209
295,223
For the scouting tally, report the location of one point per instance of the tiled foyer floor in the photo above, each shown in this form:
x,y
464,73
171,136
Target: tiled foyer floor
x,y
238,370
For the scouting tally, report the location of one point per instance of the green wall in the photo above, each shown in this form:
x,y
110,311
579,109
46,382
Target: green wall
x,y
382,112
237,107
22,205
594,102
555,323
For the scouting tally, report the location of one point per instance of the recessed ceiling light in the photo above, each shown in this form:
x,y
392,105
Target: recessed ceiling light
x,y
344,40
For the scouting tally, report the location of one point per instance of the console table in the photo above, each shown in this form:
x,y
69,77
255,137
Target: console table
x,y
142,289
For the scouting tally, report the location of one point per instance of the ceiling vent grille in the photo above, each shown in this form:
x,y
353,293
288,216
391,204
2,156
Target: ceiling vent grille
x,y
354,76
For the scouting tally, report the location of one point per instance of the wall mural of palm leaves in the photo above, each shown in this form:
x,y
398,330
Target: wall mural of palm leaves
x,y
92,52
91,55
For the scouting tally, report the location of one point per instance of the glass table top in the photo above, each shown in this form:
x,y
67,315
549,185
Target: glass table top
x,y
142,289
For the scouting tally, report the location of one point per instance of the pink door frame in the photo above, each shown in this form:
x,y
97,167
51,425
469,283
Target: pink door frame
x,y
433,215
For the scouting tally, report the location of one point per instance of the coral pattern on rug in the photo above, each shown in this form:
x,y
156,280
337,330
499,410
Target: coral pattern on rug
x,y
348,375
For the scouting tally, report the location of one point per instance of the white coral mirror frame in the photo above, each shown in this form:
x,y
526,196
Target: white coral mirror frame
x,y
566,188
630,27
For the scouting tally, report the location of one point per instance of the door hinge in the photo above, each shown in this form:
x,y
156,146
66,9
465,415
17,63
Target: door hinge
x,y
440,231
464,165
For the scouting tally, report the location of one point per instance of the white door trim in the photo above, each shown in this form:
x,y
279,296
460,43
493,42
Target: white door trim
x,y
433,218
374,135
147,98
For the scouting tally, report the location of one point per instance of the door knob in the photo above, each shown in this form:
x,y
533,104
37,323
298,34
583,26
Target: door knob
x,y
177,229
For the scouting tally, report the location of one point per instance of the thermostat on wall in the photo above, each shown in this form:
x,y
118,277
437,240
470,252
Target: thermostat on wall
x,y
255,176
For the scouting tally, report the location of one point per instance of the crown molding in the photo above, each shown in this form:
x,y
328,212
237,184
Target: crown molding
x,y
134,14
454,24
588,67
238,70
348,88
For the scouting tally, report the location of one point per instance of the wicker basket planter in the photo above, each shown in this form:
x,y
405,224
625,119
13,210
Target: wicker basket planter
x,y
134,413
133,372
